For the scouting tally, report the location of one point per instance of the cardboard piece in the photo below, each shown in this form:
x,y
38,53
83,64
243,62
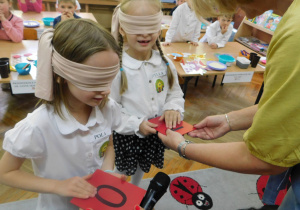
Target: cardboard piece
x,y
182,128
112,193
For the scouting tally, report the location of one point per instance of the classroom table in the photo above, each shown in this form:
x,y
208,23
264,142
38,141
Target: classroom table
x,y
34,33
26,46
114,3
39,16
232,48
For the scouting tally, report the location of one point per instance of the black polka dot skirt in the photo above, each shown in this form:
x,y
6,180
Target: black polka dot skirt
x,y
131,150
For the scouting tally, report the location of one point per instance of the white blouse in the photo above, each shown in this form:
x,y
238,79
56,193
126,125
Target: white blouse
x,y
148,93
61,149
185,25
213,34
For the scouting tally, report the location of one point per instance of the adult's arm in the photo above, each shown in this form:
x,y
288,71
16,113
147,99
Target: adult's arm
x,y
213,127
232,156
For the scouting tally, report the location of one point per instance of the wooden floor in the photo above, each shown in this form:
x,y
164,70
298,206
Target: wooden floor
x,y
201,101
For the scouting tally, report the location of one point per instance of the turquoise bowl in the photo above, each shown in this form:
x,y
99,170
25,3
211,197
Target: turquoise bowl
x,y
226,59
48,21
19,67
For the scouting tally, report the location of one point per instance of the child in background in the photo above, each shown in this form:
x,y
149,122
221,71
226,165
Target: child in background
x,y
67,9
78,8
146,87
219,32
185,26
178,2
67,137
11,26
30,5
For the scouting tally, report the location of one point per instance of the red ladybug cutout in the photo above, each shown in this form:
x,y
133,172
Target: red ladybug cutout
x,y
261,185
187,191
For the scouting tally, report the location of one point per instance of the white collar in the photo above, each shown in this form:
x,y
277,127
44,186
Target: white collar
x,y
70,124
134,64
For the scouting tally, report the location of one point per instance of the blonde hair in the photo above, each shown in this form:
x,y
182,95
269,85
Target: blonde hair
x,y
72,1
124,82
214,8
76,40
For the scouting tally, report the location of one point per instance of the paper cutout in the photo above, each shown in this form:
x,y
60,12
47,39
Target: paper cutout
x,y
112,193
181,128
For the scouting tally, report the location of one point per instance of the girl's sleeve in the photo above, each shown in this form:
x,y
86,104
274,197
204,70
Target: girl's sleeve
x,y
130,124
174,100
197,31
22,6
38,6
174,25
14,30
24,141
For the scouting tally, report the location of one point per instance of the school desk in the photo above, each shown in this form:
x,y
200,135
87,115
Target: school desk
x,y
33,33
232,48
9,48
113,3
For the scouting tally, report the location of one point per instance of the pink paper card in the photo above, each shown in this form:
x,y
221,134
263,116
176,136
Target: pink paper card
x,y
112,193
181,128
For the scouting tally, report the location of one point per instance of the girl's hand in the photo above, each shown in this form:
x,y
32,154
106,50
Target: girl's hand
x,y
2,17
33,1
75,187
194,43
172,118
146,128
23,1
211,127
171,139
213,46
166,43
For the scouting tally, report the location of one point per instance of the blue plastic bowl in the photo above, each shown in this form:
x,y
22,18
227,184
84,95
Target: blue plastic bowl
x,y
48,21
226,59
19,67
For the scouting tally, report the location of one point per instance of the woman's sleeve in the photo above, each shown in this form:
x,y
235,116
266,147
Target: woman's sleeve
x,y
14,30
174,100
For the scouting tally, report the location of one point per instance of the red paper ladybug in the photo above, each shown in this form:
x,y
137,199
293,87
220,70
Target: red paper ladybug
x,y
187,191
261,185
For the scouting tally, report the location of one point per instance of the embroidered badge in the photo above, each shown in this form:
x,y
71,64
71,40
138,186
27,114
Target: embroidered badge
x,y
159,85
103,148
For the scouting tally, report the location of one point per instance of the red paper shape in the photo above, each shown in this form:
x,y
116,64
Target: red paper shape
x,y
181,128
112,193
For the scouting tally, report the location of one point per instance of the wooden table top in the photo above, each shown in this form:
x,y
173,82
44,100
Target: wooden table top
x,y
232,48
39,16
26,46
109,3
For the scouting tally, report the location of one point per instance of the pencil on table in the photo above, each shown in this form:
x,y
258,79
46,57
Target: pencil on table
x,y
26,66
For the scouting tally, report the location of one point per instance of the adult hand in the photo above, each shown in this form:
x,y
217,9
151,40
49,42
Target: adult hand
x,y
75,187
146,128
171,139
211,127
171,117
195,43
166,43
224,29
33,1
23,1
213,46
